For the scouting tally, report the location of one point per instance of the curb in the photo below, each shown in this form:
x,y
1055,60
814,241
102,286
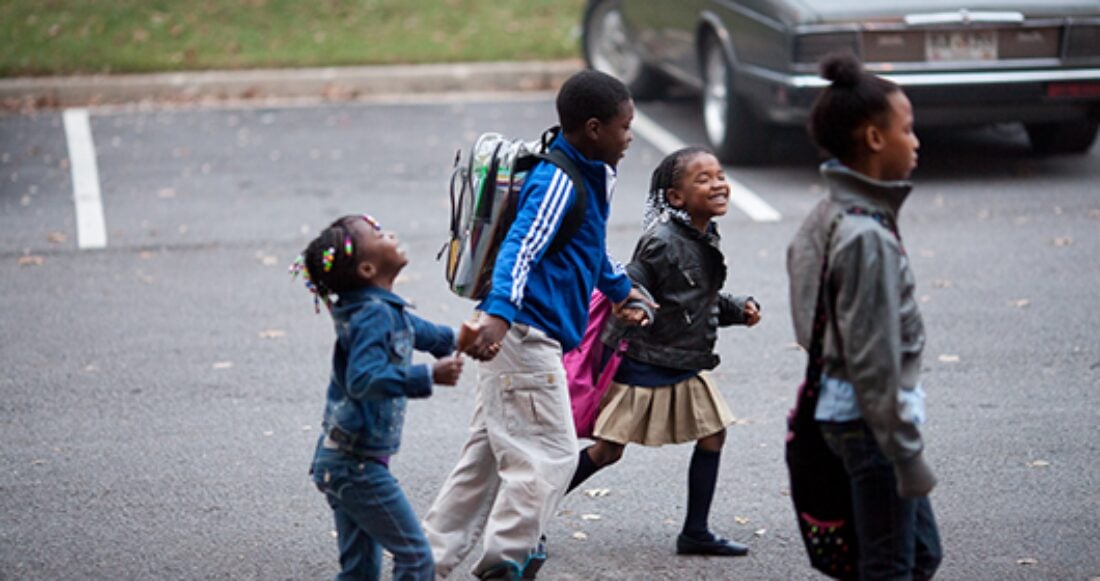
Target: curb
x,y
330,83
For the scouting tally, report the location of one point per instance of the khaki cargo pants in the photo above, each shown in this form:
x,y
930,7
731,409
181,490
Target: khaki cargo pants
x,y
517,462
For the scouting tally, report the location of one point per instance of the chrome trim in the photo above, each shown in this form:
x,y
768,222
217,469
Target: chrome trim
x,y
901,26
963,16
944,79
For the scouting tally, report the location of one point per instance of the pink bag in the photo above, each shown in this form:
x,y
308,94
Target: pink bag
x,y
588,382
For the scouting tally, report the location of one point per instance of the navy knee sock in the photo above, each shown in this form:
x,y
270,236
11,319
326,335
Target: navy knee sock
x,y
585,468
702,477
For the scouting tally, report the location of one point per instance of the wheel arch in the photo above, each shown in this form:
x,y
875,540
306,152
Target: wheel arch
x,y
710,25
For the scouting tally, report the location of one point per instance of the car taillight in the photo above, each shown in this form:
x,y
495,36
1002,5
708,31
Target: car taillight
x,y
809,48
1083,41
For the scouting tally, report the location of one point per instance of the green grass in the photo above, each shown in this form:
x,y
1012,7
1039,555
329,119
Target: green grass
x,y
47,37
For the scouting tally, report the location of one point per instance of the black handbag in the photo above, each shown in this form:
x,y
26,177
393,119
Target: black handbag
x,y
820,488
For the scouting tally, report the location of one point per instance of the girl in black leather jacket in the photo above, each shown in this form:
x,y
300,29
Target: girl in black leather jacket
x,y
661,393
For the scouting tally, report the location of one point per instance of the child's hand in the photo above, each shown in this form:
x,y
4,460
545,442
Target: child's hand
x,y
752,313
631,310
445,371
482,339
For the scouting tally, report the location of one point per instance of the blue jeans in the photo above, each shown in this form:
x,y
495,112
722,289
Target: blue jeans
x,y
371,512
898,538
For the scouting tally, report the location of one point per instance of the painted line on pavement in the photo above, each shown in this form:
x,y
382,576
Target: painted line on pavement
x,y
741,196
91,229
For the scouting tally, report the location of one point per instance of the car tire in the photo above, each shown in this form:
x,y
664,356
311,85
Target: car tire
x,y
735,133
607,48
1058,138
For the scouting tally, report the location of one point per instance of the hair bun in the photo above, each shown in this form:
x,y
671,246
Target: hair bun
x,y
843,69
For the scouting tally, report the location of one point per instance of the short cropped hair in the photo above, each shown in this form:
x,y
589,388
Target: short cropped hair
x,y
589,94
854,98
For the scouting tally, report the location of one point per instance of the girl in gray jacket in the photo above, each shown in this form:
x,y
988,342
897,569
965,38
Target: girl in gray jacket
x,y
870,403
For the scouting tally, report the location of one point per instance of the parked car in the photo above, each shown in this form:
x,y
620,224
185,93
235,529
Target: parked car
x,y
968,62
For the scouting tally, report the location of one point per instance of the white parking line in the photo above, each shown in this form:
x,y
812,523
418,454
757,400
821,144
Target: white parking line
x,y
91,230
740,194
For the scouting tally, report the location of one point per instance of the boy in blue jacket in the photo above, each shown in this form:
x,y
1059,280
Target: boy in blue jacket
x,y
522,447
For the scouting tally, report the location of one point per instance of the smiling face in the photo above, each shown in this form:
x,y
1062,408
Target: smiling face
x,y
611,138
702,190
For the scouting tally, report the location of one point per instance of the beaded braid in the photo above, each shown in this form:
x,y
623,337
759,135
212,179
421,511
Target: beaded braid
x,y
328,264
665,176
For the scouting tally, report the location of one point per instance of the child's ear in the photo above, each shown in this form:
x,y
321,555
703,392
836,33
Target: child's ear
x,y
674,197
873,137
592,129
366,270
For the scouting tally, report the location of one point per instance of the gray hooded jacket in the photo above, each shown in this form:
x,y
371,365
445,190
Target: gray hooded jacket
x,y
876,335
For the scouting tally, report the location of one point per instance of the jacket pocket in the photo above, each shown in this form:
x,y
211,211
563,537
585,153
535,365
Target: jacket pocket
x,y
533,403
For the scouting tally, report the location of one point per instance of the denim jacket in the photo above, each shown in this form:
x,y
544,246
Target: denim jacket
x,y
372,369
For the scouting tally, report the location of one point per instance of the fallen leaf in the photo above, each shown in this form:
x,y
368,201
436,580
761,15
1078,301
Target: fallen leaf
x,y
1027,561
1062,241
166,193
56,237
949,358
580,536
146,255
741,520
272,334
223,364
1022,303
590,516
1039,464
942,284
31,260
760,532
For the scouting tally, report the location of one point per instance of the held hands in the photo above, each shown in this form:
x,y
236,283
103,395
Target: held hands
x,y
752,313
636,309
445,371
481,339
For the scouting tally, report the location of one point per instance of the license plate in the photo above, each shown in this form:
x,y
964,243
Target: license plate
x,y
968,45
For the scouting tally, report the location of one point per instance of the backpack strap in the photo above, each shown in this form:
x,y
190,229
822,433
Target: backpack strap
x,y
572,221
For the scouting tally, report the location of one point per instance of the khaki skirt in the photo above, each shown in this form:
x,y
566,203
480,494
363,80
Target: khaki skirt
x,y
653,416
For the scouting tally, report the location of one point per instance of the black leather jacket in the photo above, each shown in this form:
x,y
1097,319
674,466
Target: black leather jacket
x,y
684,270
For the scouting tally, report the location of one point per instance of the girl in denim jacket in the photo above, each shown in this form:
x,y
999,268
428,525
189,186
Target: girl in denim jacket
x,y
351,267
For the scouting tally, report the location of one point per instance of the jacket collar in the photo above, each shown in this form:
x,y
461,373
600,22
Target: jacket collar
x,y
689,231
356,297
850,188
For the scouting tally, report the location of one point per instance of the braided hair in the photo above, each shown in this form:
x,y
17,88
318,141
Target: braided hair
x,y
666,176
329,264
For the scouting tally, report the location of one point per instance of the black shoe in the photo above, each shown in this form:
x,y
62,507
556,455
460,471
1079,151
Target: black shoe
x,y
715,546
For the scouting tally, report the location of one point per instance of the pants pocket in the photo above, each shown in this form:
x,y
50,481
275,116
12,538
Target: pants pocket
x,y
532,403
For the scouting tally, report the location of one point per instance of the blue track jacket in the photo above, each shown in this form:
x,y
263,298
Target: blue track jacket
x,y
551,291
